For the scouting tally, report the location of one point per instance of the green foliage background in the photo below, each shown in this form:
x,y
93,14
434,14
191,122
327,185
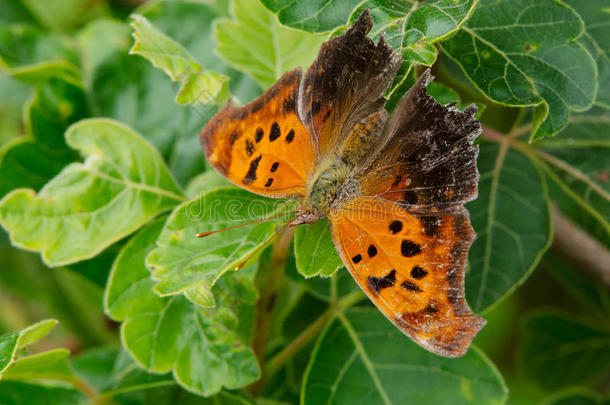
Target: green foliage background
x,y
101,174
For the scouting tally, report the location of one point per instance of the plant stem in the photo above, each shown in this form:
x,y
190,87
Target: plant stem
x,y
584,252
310,333
266,303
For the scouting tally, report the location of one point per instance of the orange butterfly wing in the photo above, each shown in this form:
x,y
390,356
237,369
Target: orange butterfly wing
x,y
412,268
262,146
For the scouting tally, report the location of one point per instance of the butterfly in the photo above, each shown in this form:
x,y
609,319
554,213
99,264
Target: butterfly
x,y
391,186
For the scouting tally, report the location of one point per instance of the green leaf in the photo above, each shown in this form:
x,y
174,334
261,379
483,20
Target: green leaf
x,y
350,365
112,372
559,350
415,32
207,181
25,393
198,86
575,396
576,164
595,14
315,251
340,284
205,349
507,49
32,55
88,206
182,262
131,90
256,44
59,14
33,160
594,295
508,245
312,16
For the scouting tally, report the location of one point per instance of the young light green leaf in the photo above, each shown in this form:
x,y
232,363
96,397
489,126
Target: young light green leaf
x,y
512,220
576,164
184,263
198,86
50,365
315,251
521,53
206,349
256,44
349,365
559,350
10,343
596,16
35,332
88,206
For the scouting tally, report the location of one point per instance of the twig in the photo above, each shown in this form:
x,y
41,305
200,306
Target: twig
x,y
311,332
581,250
266,303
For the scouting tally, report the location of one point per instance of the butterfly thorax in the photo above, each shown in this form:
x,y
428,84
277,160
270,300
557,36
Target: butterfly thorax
x,y
323,191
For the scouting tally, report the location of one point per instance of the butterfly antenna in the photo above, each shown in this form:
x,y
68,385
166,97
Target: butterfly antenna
x,y
202,234
261,247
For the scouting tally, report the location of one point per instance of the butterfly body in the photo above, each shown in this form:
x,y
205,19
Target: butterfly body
x,y
392,187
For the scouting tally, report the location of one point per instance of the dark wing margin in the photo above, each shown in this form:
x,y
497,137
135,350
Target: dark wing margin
x,y
346,83
428,161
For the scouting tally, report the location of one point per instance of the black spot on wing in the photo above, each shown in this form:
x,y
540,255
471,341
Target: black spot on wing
x,y
410,286
251,175
259,135
379,283
274,167
395,227
409,248
233,137
249,147
274,133
418,273
356,259
290,136
372,251
269,182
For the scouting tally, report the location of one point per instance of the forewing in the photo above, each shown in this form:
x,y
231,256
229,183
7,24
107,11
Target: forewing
x,y
345,84
263,146
412,271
